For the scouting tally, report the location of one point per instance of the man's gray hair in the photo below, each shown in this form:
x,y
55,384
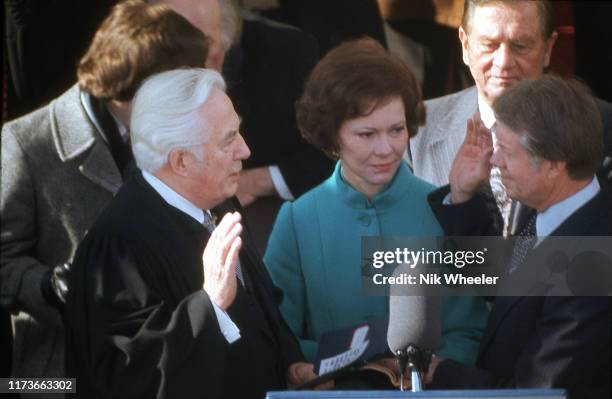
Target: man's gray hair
x,y
165,114
544,9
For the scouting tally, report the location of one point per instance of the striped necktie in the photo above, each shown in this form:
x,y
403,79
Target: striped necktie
x,y
504,203
524,243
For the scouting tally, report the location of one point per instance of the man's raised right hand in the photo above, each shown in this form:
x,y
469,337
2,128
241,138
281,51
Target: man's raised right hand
x,y
220,259
471,167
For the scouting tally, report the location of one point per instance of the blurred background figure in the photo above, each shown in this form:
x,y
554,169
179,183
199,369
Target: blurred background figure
x,y
265,64
431,25
363,117
330,22
43,42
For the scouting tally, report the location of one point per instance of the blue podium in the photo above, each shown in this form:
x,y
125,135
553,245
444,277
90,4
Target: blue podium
x,y
468,394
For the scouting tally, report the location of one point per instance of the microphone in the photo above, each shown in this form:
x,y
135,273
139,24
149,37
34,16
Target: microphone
x,y
415,328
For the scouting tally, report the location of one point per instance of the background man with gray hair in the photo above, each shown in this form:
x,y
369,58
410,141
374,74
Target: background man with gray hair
x,y
504,42
549,145
163,303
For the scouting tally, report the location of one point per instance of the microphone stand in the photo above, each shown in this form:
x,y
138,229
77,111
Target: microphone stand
x,y
415,359
402,359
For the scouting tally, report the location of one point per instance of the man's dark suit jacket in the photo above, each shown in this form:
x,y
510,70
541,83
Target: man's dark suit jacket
x,y
140,325
265,76
560,342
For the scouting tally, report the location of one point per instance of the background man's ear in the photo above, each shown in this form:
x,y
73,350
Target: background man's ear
x,y
463,37
550,44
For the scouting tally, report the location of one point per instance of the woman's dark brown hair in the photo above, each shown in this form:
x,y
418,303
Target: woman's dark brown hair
x,y
134,42
353,80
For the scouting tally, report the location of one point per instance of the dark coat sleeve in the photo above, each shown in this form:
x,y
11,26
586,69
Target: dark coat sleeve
x,y
21,270
471,218
129,342
568,347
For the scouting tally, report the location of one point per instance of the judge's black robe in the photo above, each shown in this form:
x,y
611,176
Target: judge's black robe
x,y
139,324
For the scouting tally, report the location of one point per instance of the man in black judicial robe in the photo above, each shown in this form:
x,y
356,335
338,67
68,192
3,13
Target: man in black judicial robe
x,y
160,307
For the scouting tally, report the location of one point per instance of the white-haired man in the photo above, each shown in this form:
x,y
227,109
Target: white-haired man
x,y
163,303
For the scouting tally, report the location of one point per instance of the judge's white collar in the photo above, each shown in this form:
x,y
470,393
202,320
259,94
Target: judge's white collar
x,y
173,198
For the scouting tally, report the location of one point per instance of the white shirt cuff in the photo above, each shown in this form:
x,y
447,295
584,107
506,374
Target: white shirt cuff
x,y
229,330
279,183
447,200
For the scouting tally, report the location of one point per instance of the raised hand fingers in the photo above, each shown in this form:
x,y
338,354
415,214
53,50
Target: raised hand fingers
x,y
484,137
222,237
231,260
227,223
470,133
480,134
228,240
220,259
486,159
475,131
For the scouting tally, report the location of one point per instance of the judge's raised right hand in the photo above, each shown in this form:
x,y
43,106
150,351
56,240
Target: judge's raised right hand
x,y
471,167
220,258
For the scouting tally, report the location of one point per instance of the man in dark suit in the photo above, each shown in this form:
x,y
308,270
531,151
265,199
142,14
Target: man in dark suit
x,y
163,304
549,145
63,163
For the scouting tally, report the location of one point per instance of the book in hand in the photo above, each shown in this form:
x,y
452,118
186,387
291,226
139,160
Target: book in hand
x,y
360,349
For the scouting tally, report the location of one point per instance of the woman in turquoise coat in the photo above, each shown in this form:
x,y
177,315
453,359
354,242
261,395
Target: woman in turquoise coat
x,y
360,105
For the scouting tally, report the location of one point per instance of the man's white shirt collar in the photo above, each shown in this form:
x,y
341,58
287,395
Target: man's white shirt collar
x,y
551,218
486,113
173,198
124,132
487,116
